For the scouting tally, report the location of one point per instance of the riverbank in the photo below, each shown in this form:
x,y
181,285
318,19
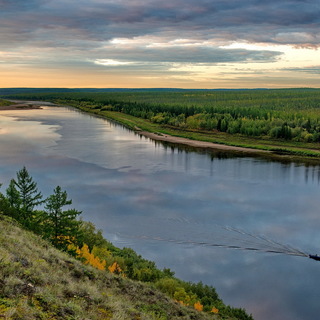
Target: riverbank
x,y
279,150
220,141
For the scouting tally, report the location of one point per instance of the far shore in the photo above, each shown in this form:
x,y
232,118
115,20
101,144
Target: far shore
x,y
155,136
29,105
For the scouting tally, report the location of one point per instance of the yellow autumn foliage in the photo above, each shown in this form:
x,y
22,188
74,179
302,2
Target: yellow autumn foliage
x,y
89,258
215,310
198,306
115,268
181,302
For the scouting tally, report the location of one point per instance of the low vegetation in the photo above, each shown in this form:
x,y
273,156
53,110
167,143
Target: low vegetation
x,y
4,103
39,282
60,267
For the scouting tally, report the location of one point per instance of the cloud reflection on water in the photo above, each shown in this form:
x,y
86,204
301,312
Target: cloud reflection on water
x,y
127,185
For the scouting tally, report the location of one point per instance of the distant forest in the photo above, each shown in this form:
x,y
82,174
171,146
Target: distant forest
x,y
288,114
10,91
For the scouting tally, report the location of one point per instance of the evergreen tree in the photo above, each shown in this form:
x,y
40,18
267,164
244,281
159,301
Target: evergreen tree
x,y
23,196
5,206
13,195
61,227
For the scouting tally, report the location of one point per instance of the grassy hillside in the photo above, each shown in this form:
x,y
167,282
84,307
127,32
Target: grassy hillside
x,y
38,281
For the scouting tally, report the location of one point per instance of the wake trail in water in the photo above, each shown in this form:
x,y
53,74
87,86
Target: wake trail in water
x,y
277,248
221,237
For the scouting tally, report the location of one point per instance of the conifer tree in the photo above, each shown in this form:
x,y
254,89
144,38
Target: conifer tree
x,y
61,227
13,195
23,196
5,206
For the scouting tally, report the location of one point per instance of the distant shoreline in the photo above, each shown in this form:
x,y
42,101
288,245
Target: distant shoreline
x,y
155,136
140,127
276,152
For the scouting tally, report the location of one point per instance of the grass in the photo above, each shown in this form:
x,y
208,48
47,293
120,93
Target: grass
x,y
39,282
276,147
4,103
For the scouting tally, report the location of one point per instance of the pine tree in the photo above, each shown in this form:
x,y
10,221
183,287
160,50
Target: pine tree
x,y
13,195
23,196
6,207
61,227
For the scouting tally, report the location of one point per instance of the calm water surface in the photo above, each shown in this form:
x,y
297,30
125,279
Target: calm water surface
x,y
131,186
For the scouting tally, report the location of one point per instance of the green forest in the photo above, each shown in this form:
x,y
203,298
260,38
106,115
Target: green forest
x,y
290,114
280,121
53,220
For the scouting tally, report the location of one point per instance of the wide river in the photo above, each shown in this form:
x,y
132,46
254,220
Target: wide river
x,y
129,186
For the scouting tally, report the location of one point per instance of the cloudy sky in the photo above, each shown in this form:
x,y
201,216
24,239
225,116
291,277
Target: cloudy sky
x,y
160,43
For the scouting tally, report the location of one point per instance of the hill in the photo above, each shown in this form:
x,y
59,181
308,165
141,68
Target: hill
x,y
37,281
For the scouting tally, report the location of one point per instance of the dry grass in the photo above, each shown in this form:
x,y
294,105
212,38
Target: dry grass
x,y
39,282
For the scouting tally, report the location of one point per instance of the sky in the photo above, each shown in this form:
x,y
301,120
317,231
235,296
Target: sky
x,y
160,44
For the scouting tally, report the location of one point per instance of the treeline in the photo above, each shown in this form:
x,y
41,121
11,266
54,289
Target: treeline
x,y
63,228
292,114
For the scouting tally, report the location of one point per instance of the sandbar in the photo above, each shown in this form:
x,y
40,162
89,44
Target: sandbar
x,y
197,143
20,106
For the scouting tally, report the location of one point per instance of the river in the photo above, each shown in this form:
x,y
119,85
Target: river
x,y
130,186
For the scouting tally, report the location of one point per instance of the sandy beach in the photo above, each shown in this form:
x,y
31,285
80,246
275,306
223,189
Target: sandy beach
x,y
20,106
197,143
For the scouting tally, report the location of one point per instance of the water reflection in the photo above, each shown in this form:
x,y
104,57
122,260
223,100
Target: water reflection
x,y
130,185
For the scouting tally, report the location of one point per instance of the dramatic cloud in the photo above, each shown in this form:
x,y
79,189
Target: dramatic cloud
x,y
147,32
190,54
102,20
